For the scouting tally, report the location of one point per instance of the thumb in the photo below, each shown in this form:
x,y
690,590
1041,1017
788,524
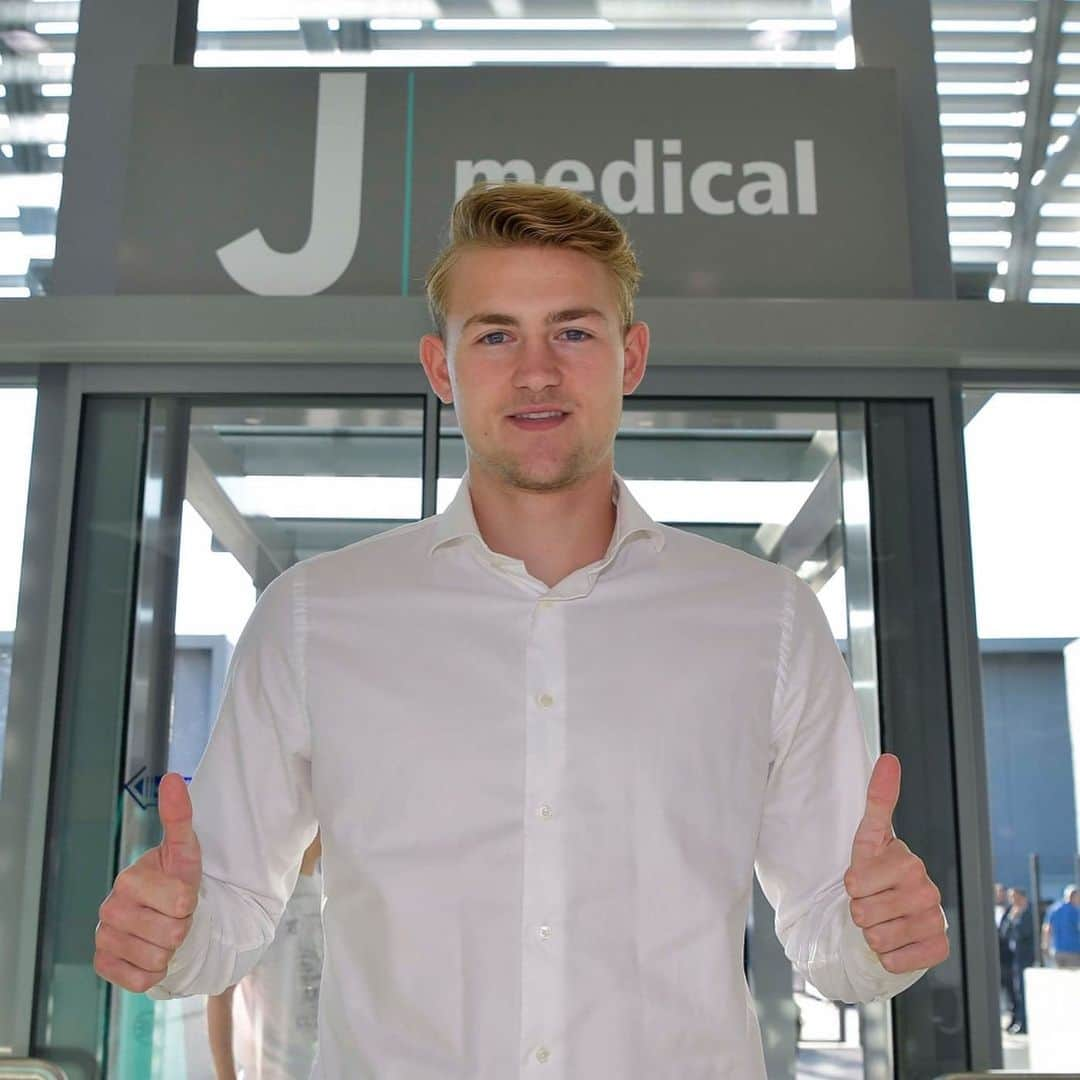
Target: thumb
x,y
882,794
179,851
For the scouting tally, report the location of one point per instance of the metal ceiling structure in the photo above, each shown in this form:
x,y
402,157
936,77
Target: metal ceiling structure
x,y
1008,90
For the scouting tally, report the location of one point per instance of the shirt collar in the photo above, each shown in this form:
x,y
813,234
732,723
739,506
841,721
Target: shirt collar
x,y
631,520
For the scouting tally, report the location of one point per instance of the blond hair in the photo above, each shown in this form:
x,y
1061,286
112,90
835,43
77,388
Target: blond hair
x,y
502,213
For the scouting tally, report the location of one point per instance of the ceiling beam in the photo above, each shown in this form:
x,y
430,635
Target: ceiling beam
x,y
1038,108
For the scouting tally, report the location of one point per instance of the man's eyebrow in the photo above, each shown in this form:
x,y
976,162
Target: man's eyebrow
x,y
496,318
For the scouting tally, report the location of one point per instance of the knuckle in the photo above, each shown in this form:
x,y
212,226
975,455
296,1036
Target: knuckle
x,y
850,881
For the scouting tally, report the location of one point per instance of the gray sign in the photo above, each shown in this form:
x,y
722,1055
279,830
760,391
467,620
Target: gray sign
x,y
730,182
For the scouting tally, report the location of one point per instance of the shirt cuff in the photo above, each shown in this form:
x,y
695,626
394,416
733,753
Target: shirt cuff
x,y
188,957
864,968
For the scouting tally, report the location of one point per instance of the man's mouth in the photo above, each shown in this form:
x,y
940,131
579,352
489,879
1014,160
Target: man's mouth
x,y
540,420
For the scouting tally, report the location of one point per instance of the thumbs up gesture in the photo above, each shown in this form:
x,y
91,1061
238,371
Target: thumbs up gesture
x,y
893,900
148,913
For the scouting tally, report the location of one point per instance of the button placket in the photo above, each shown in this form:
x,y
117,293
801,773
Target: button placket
x,y
543,962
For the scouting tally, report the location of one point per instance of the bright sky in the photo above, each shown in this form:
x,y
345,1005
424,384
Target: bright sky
x,y
1023,455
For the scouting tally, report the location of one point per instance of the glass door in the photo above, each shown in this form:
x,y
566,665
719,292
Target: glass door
x,y
190,505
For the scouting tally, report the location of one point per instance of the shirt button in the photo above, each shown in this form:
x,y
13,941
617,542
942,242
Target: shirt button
x,y
543,1054
545,931
545,699
545,811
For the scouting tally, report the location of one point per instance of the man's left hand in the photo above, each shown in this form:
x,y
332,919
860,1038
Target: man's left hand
x,y
893,899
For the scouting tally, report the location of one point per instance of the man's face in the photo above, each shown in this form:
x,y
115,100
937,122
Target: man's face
x,y
999,894
1074,898
492,367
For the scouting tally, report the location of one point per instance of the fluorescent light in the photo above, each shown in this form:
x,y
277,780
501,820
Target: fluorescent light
x,y
1003,266
523,24
56,89
396,24
56,150
980,239
946,88
7,150
1054,296
1059,210
1013,119
224,24
990,149
983,26
56,59
995,295
792,24
984,57
56,28
1057,239
333,24
980,209
1056,267
1005,179
14,291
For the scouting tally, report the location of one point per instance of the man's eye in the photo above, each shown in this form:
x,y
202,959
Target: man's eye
x,y
570,330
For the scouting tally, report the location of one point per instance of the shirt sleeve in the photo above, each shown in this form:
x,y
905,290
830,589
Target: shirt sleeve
x,y
252,807
814,800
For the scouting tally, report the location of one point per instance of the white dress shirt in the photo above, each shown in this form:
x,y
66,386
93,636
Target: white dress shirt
x,y
541,808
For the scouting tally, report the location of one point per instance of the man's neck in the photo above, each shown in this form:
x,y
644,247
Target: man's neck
x,y
552,533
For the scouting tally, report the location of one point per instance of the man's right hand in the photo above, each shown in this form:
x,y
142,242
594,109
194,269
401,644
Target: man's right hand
x,y
148,913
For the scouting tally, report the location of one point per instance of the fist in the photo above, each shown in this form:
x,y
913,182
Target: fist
x,y
148,913
893,900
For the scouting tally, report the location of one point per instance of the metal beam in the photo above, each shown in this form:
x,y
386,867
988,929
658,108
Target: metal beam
x,y
256,543
115,36
894,35
1039,107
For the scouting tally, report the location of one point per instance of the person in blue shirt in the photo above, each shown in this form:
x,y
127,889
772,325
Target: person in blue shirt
x,y
1061,930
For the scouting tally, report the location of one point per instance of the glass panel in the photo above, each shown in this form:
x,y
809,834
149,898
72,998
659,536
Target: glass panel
x,y
37,43
78,868
16,439
1023,465
783,481
268,482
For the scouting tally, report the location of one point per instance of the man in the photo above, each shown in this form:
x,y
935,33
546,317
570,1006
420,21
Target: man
x,y
1001,920
279,1000
1061,930
1020,933
547,740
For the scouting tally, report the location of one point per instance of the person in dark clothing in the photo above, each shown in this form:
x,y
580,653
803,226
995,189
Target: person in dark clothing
x,y
1021,937
1001,918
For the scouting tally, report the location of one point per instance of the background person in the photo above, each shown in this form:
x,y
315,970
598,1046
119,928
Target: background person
x,y
279,998
1061,930
1001,920
1020,933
